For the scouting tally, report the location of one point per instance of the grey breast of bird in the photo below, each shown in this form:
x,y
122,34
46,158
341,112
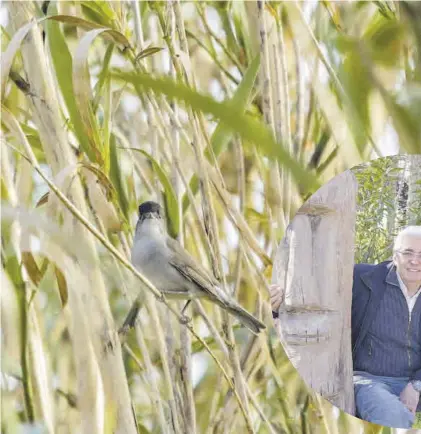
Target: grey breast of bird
x,y
152,259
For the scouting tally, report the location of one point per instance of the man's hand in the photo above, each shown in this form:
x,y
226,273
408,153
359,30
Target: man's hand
x,y
410,397
276,297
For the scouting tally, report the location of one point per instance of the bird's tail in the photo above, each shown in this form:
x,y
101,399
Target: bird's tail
x,y
247,319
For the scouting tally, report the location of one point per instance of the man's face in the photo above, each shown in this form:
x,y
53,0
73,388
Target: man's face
x,y
407,259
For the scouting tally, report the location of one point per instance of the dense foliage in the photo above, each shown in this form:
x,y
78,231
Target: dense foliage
x,y
389,198
230,114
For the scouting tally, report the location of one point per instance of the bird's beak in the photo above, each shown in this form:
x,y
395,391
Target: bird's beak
x,y
148,215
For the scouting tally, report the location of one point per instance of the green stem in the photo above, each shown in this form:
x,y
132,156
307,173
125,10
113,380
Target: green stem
x,y
27,393
214,58
218,40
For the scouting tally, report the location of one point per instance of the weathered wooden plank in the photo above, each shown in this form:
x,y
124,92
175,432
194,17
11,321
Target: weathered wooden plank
x,y
313,266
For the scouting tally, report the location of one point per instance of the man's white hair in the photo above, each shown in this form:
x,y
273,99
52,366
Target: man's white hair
x,y
409,231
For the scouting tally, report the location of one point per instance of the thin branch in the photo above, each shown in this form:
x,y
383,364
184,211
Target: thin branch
x,y
214,58
69,396
76,213
216,37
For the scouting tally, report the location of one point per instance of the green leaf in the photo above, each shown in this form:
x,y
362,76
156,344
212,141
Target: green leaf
x,y
18,37
171,202
8,56
142,429
242,97
110,191
116,178
102,76
353,76
93,15
63,65
82,94
62,286
34,140
14,270
32,268
43,199
111,34
197,346
106,128
100,12
5,37
148,52
222,134
383,37
407,126
251,130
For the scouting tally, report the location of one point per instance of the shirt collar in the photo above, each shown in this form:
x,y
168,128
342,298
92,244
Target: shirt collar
x,y
404,288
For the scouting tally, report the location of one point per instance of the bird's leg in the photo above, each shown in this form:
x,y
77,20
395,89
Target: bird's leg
x,y
184,318
131,317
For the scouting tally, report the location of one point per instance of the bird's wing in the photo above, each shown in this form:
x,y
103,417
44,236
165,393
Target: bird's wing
x,y
193,271
190,268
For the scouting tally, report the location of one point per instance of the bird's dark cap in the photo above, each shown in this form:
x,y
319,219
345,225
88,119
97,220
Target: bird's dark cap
x,y
150,207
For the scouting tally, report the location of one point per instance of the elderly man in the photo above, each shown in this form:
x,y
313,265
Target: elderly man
x,y
386,333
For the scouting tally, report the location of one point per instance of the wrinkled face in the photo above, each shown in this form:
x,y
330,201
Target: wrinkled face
x,y
407,258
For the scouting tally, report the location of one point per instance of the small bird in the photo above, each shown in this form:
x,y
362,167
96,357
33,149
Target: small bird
x,y
173,271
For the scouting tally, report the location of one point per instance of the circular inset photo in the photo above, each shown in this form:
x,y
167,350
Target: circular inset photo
x,y
346,290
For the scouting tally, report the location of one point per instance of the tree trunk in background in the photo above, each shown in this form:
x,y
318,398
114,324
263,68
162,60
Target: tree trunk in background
x,y
402,197
314,266
392,215
414,190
